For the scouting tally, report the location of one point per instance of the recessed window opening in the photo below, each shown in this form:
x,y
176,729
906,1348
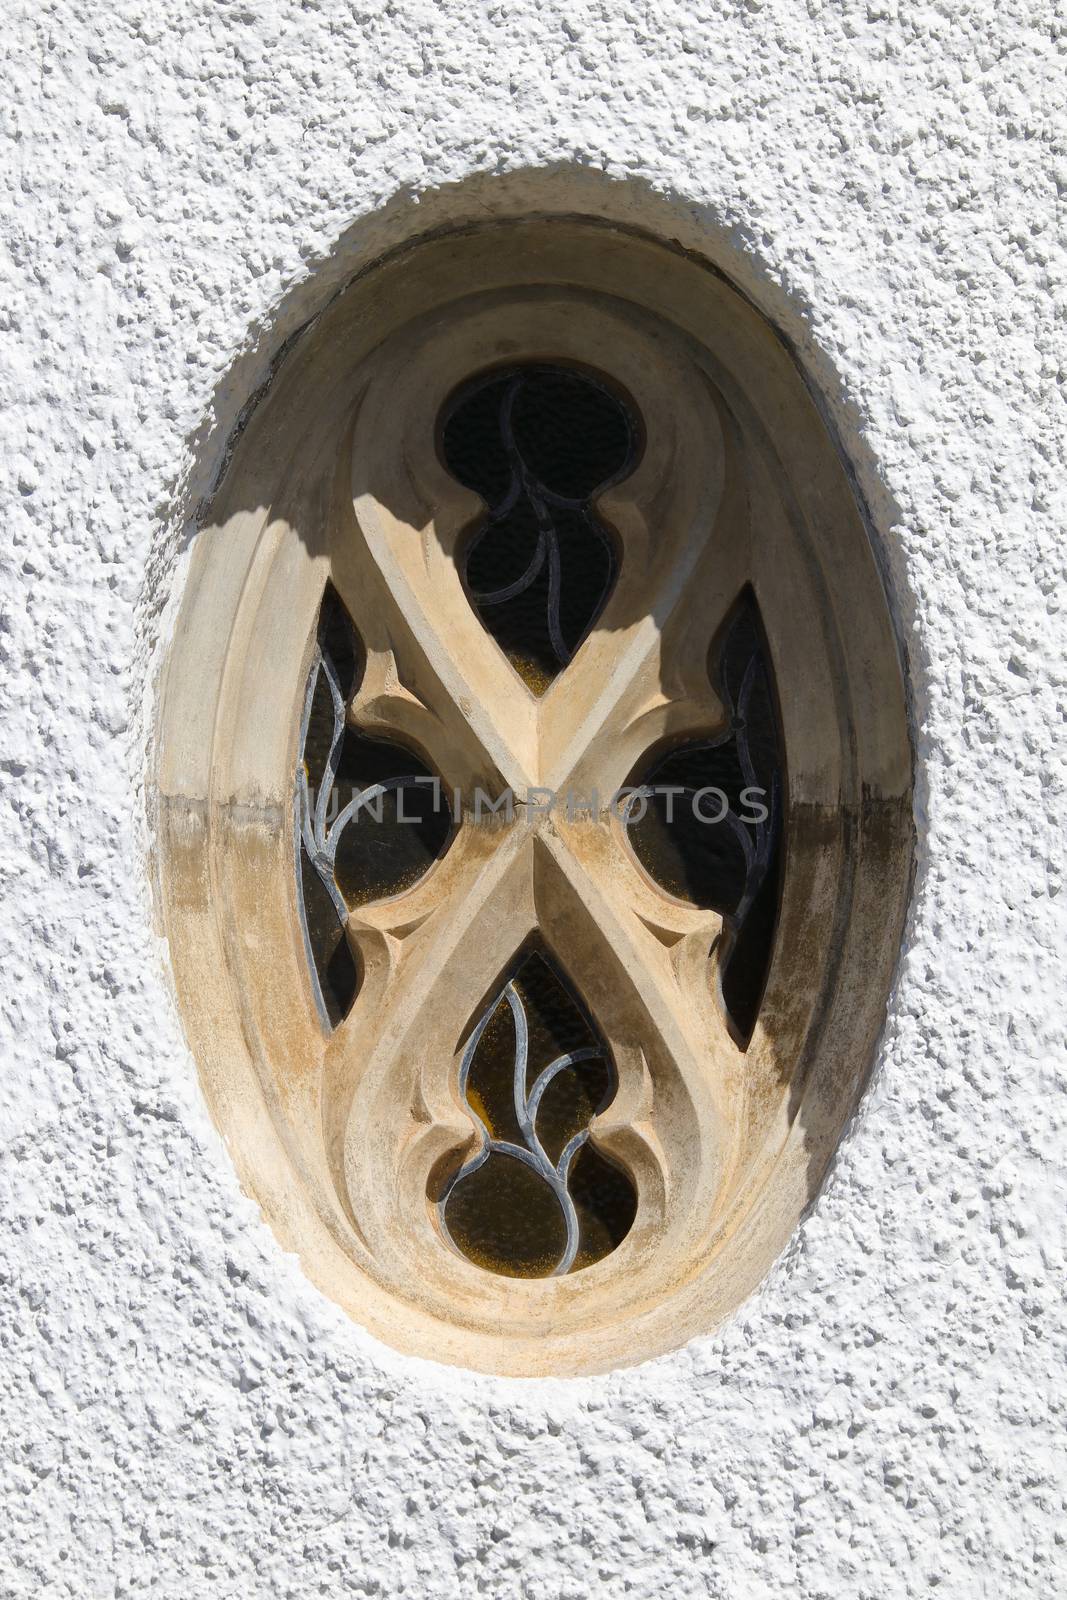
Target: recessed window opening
x,y
534,791
538,442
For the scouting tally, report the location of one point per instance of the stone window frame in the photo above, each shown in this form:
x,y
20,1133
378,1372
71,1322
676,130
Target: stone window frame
x,y
344,1136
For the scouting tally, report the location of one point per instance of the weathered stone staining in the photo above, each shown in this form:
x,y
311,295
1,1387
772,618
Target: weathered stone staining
x,y
350,1130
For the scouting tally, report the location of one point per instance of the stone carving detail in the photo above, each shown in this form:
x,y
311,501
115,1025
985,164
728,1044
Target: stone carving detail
x,y
540,852
357,992
535,1074
344,779
538,442
710,821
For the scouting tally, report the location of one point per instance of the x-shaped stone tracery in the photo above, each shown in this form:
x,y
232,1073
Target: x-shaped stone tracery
x,y
347,1137
434,956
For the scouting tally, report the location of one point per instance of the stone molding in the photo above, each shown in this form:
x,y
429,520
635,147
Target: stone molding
x,y
344,1137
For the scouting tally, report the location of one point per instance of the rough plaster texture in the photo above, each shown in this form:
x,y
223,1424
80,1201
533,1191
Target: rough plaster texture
x,y
184,183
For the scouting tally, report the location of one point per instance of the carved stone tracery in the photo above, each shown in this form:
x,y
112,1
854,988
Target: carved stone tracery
x,y
355,1135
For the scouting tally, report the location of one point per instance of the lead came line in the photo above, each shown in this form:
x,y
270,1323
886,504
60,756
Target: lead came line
x,y
531,1152
547,505
317,836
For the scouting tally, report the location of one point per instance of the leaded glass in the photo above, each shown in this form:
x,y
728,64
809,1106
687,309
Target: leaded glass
x,y
372,818
711,825
538,443
537,1199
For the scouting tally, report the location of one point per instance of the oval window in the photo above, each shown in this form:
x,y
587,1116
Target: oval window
x,y
534,797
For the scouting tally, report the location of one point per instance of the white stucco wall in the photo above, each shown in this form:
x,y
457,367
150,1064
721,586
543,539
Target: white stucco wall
x,y
180,1411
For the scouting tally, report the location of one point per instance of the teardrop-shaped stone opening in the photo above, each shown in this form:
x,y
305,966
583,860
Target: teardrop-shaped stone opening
x,y
711,829
371,817
538,442
537,1198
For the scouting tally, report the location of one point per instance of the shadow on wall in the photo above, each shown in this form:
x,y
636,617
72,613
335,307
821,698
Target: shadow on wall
x,y
721,243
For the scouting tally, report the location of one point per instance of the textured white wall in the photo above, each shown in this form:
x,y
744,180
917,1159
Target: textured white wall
x,y
184,181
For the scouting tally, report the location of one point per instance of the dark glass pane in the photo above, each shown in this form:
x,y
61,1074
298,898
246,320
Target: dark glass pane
x,y
321,732
543,1115
490,1090
744,971
339,641
382,822
717,842
689,856
605,1201
394,838
328,947
569,1104
505,1218
538,442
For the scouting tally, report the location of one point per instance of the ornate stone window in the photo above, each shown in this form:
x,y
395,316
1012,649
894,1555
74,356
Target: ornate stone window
x,y
534,798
